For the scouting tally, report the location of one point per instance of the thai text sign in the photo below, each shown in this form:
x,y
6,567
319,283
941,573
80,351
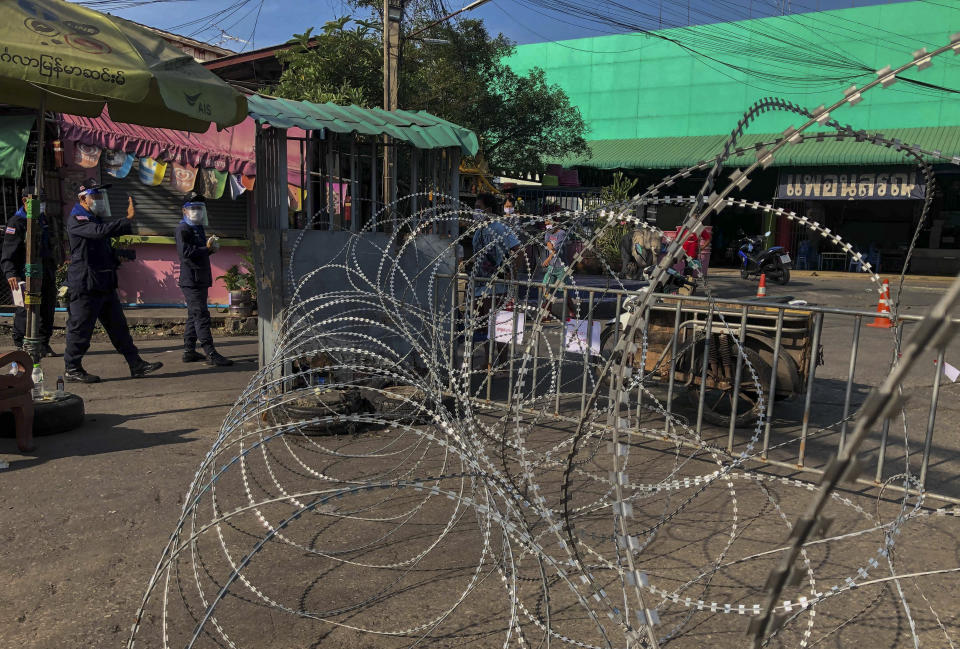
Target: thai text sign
x,y
841,185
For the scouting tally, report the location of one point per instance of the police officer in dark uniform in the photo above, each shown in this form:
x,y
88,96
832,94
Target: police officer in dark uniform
x,y
196,278
13,260
92,284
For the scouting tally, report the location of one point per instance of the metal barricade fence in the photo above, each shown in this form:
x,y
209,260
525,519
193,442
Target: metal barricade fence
x,y
814,366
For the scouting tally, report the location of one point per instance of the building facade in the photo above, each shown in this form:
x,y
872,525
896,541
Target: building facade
x,y
667,100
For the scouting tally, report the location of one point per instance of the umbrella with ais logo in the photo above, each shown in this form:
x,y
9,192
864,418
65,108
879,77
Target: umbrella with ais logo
x,y
66,58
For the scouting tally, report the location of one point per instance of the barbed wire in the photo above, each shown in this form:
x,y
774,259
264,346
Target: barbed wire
x,y
369,480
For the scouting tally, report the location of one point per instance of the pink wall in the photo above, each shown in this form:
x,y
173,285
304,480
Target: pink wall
x,y
152,278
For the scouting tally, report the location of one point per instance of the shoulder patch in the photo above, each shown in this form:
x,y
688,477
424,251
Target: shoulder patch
x,y
82,217
10,230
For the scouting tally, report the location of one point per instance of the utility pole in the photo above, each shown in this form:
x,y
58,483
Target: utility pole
x,y
392,13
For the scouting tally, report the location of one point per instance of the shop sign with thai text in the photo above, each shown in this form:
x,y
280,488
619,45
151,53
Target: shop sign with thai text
x,y
847,184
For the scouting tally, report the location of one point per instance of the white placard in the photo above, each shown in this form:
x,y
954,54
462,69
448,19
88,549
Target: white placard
x,y
576,336
18,294
952,373
503,326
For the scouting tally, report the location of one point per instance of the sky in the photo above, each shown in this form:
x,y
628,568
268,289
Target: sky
x,y
249,24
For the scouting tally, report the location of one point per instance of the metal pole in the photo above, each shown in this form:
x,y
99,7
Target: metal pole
x,y
673,368
817,328
855,346
775,362
885,430
738,377
928,441
561,352
586,354
513,351
703,373
33,270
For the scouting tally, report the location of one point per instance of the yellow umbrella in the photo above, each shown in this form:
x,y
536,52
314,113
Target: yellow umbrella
x,y
69,59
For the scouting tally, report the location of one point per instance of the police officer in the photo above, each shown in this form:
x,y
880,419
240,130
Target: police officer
x,y
13,260
92,285
195,249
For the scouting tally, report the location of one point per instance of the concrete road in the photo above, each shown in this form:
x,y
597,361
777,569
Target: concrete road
x,y
845,290
83,519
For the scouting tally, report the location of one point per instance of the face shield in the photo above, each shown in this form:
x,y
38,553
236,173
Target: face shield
x,y
99,202
195,213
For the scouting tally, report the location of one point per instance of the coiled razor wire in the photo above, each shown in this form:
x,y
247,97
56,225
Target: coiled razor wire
x,y
364,491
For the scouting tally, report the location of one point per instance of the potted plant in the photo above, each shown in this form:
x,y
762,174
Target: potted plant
x,y
233,280
249,276
61,278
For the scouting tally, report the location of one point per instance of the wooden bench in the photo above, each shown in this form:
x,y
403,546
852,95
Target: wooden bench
x,y
15,396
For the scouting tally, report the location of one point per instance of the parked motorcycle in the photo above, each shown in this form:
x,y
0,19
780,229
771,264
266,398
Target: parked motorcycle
x,y
756,259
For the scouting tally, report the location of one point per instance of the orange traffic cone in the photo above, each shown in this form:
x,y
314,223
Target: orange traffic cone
x,y
883,309
762,286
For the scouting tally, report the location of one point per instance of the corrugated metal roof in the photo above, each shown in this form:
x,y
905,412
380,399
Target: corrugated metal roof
x,y
679,152
420,129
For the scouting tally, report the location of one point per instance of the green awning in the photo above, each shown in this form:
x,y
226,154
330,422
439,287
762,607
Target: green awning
x,y
680,152
14,133
419,129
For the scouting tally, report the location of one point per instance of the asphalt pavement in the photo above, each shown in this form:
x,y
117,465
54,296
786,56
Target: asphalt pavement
x,y
84,519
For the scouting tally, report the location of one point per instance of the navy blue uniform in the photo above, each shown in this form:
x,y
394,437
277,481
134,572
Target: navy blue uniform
x,y
13,260
92,284
196,278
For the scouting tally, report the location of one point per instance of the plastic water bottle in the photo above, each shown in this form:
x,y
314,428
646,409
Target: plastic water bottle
x,y
60,388
14,369
37,381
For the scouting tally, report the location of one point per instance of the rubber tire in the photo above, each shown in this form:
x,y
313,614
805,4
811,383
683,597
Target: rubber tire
x,y
744,274
396,408
337,402
784,276
745,418
50,417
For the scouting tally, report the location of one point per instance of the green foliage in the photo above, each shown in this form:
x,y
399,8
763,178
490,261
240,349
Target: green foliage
x,y
608,245
521,120
248,279
233,278
341,64
620,190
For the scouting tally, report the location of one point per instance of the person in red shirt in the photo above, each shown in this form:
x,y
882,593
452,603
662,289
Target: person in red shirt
x,y
692,246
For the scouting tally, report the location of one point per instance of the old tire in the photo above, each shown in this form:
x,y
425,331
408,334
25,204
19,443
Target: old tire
x,y
404,403
327,407
50,417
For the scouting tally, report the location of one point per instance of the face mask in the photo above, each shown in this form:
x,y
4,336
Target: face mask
x,y
549,226
508,210
100,206
196,213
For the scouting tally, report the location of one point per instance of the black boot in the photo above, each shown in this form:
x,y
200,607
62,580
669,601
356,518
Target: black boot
x,y
193,356
218,360
142,368
79,375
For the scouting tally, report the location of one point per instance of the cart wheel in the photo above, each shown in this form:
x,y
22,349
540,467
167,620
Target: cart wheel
x,y
718,402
